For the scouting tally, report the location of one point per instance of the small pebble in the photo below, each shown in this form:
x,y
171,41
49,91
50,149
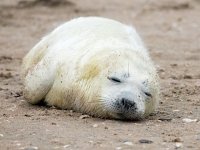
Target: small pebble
x,y
177,140
176,110
187,120
145,141
27,115
91,141
70,113
84,116
165,119
53,123
66,146
187,77
118,148
128,143
1,135
31,148
173,65
178,145
95,125
18,144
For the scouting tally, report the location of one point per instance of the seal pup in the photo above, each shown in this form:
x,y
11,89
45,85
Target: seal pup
x,y
92,65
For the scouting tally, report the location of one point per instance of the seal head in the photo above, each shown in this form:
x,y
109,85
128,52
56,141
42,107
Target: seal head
x,y
126,85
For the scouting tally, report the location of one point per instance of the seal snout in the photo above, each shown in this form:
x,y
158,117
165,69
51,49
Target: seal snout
x,y
126,104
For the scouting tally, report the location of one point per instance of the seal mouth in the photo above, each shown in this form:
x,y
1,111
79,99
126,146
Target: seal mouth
x,y
129,116
126,109
126,114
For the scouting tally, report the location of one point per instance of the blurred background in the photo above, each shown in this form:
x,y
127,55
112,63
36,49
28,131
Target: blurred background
x,y
171,31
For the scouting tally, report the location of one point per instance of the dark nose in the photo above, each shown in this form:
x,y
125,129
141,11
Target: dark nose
x,y
127,104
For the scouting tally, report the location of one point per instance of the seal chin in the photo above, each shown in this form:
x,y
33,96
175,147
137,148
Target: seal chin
x,y
126,109
126,112
128,115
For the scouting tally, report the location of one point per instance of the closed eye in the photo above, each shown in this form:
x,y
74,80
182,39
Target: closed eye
x,y
114,79
148,94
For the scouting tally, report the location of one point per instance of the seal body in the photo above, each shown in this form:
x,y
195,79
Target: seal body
x,y
92,65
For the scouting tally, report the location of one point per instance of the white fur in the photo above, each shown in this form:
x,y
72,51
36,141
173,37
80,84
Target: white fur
x,y
56,69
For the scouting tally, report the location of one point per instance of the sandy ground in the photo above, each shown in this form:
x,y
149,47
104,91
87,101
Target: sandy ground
x,y
171,31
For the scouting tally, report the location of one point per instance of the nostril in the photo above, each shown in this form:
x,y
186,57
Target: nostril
x,y
148,94
127,103
123,101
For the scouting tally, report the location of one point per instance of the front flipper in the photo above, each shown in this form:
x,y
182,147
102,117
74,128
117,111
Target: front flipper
x,y
39,80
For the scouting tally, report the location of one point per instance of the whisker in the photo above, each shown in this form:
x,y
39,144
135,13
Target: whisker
x,y
128,70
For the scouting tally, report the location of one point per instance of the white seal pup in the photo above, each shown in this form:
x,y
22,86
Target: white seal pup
x,y
92,65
